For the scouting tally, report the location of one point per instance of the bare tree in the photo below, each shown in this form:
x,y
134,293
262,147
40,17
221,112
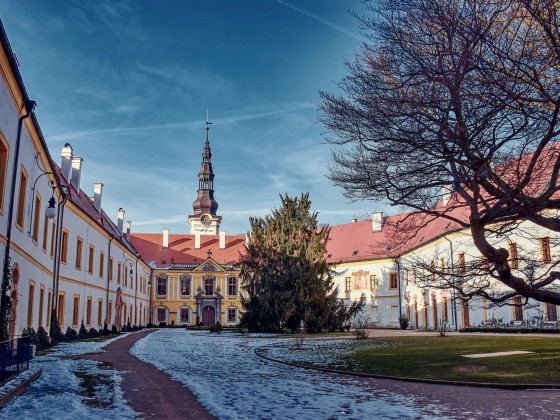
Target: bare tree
x,y
460,96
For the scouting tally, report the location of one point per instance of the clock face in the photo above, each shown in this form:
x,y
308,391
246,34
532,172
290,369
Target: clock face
x,y
205,220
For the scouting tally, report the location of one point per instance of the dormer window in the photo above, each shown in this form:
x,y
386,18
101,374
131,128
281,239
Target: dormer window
x,y
355,253
328,256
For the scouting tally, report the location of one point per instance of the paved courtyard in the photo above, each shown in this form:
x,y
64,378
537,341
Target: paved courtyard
x,y
231,382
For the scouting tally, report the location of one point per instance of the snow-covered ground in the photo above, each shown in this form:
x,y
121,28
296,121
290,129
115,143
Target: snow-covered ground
x,y
69,389
233,383
225,374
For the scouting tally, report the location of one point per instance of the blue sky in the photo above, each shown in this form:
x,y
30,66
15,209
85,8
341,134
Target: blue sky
x,y
128,84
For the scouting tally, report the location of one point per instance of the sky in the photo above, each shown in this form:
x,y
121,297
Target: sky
x,y
129,83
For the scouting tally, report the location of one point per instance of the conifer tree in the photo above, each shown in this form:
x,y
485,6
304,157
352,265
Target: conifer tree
x,y
287,280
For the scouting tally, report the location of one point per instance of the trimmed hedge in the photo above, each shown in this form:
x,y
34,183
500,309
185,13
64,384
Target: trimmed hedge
x,y
511,330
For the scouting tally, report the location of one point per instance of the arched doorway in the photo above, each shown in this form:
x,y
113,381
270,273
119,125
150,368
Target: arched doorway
x,y
208,315
12,315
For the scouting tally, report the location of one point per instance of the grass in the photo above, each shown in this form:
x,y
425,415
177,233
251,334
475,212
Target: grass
x,y
440,358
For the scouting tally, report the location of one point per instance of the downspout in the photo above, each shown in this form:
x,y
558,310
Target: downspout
x,y
56,260
454,307
397,261
150,288
136,292
29,106
108,277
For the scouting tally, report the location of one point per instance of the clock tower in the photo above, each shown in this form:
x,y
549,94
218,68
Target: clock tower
x,y
204,221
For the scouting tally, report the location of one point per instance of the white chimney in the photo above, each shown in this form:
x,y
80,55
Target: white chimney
x,y
353,220
128,224
446,194
97,190
120,219
165,243
66,165
222,239
76,172
247,237
376,221
197,240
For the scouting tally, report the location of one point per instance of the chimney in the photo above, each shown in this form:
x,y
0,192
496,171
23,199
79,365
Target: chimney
x,y
446,194
222,239
66,164
97,189
128,223
165,243
247,237
353,220
120,216
377,221
197,240
76,172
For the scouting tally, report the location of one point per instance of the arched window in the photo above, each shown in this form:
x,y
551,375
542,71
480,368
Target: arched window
x,y
232,286
162,285
209,286
185,285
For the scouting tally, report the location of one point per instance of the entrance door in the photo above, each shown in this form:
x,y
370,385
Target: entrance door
x,y
208,316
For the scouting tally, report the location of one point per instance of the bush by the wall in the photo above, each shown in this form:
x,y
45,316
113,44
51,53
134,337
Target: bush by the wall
x,y
511,330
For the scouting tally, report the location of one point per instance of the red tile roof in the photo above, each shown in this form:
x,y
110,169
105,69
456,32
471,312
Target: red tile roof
x,y
181,248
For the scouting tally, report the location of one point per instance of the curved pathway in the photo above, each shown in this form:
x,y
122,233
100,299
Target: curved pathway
x,y
147,389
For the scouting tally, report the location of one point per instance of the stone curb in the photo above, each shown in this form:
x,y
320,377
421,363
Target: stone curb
x,y
19,388
406,379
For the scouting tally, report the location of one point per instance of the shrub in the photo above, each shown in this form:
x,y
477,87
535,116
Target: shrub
x,y
92,333
511,330
286,331
216,328
403,322
105,330
42,339
83,331
71,334
56,333
114,329
244,331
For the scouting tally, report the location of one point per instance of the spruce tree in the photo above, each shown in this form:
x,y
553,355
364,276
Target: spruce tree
x,y
287,280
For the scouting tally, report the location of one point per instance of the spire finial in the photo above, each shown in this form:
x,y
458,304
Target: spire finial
x,y
208,123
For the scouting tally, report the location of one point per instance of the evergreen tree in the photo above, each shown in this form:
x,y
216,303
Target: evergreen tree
x,y
284,272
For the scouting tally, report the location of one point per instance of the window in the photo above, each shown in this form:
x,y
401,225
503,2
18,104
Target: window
x,y
185,285
79,251
442,266
162,285
119,271
110,268
374,313
232,315
49,299
373,282
100,312
414,276
209,286
461,263
444,313
110,313
90,259
348,284
550,312
45,233
393,281
544,246
60,308
53,234
88,311
36,218
125,277
406,278
41,299
31,299
433,270
232,286
76,313
185,315
394,313
517,308
20,214
161,314
513,257
64,246
4,153
101,264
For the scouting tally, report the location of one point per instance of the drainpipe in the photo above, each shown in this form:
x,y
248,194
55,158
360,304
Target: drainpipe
x,y
398,262
454,307
135,289
4,300
56,259
108,277
150,288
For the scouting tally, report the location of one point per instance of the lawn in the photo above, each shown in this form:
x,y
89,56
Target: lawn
x,y
435,357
